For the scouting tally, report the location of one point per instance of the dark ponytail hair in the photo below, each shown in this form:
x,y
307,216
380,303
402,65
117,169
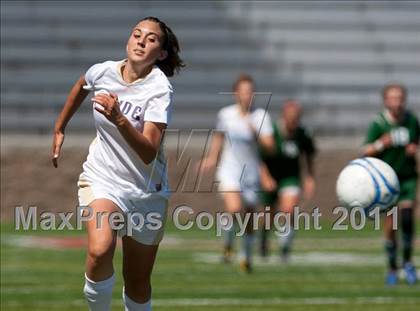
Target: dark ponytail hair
x,y
172,63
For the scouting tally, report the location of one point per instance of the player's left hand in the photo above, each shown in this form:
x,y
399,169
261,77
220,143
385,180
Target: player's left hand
x,y
248,122
268,183
108,105
411,149
58,140
309,187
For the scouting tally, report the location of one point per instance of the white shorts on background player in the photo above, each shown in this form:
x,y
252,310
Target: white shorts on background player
x,y
240,163
113,170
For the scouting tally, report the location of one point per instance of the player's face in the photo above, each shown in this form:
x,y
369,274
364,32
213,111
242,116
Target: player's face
x,y
291,118
394,101
145,43
244,93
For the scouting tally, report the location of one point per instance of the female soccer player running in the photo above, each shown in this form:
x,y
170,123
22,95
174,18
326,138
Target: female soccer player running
x,y
281,174
241,129
394,138
125,169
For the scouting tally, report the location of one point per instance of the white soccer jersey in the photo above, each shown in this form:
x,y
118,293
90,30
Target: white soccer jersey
x,y
112,168
239,163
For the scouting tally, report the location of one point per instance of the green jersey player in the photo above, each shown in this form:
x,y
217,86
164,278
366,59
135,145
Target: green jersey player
x,y
281,172
394,137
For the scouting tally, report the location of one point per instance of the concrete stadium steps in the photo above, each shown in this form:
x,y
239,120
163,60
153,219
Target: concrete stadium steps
x,y
66,10
61,54
343,53
200,119
184,86
41,101
321,17
346,95
344,36
43,123
333,56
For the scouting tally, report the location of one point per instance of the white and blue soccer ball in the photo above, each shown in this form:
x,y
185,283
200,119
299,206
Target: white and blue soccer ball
x,y
368,183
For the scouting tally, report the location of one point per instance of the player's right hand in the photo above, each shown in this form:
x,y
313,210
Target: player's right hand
x,y
386,140
58,139
309,187
205,165
411,149
268,183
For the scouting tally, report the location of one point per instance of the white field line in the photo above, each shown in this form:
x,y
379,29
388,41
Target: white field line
x,y
47,242
324,258
307,259
197,302
279,301
172,240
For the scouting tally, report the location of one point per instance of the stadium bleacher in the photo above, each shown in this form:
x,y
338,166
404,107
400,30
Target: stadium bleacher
x,y
333,56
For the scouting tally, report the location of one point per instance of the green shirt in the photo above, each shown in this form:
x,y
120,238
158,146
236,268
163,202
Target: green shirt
x,y
403,133
285,161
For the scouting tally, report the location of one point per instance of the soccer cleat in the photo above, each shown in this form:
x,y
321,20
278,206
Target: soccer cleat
x,y
410,273
264,250
264,247
227,255
391,278
245,266
285,254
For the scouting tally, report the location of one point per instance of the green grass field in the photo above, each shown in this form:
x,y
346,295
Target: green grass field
x,y
328,271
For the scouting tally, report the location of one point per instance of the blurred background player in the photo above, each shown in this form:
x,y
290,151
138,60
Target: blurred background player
x,y
394,137
281,174
241,129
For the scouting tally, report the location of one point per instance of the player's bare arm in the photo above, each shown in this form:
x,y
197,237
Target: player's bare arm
x,y
411,149
73,102
382,143
309,180
210,161
267,143
268,183
146,144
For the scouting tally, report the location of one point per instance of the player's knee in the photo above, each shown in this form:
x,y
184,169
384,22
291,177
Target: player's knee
x,y
289,202
138,287
389,228
100,254
234,208
406,204
407,222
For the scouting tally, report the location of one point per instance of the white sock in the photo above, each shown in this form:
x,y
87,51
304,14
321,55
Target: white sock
x,y
99,294
248,241
131,305
287,239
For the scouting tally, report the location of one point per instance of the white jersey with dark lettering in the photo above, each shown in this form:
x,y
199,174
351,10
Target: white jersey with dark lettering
x,y
239,164
113,170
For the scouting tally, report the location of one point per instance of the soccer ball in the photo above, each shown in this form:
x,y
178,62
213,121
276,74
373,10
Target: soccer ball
x,y
368,183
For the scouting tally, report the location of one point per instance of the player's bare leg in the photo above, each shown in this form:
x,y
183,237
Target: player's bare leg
x,y
407,238
248,241
100,277
391,250
138,261
266,225
287,201
233,204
